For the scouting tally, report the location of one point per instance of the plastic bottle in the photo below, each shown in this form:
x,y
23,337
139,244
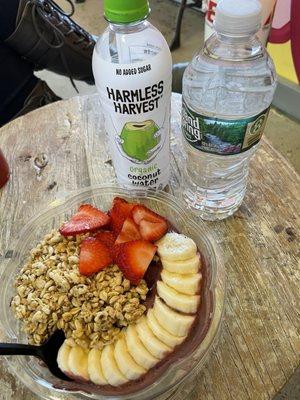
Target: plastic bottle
x,y
268,7
227,91
132,67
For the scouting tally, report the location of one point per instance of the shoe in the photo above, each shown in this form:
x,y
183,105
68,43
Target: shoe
x,y
48,38
40,96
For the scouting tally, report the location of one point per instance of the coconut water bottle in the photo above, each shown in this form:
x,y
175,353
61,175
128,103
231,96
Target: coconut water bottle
x,y
227,91
132,67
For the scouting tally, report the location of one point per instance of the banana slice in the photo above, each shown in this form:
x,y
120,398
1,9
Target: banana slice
x,y
161,333
137,350
129,368
186,284
70,342
174,322
95,369
176,247
181,302
109,367
78,362
189,266
157,348
63,357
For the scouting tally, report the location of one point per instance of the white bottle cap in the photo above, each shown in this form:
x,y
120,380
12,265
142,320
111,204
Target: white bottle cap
x,y
238,17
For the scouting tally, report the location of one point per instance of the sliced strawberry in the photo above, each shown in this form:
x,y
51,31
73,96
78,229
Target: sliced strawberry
x,y
116,250
133,258
129,232
87,219
106,237
152,231
141,212
151,225
121,210
94,256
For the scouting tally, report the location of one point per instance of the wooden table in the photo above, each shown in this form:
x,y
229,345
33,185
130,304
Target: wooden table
x,y
60,148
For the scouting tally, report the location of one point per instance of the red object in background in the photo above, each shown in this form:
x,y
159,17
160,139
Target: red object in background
x,y
290,30
4,170
295,32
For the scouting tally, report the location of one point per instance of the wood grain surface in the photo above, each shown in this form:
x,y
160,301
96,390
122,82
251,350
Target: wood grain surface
x,y
62,147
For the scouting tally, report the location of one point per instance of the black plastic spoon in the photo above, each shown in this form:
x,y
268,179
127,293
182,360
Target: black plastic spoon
x,y
47,352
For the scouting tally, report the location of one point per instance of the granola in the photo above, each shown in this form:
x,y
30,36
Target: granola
x,y
51,294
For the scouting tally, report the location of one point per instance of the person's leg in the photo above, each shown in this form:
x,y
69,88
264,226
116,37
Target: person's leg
x,y
29,33
8,15
20,90
16,82
16,75
46,36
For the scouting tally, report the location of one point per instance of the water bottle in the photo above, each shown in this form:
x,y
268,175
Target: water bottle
x,y
227,91
132,66
268,8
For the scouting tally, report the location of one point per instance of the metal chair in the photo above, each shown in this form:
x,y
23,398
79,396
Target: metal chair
x,y
175,44
177,74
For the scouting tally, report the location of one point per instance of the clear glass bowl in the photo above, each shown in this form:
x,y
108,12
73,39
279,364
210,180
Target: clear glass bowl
x,y
174,381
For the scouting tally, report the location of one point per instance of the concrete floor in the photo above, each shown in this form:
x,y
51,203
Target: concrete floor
x,y
283,132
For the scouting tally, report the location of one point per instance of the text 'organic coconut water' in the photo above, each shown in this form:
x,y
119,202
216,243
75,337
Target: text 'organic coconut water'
x,y
132,67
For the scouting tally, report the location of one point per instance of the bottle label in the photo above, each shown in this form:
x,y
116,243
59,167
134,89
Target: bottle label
x,y
222,136
136,101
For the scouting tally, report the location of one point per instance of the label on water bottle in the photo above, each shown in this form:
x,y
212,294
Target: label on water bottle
x,y
136,100
222,136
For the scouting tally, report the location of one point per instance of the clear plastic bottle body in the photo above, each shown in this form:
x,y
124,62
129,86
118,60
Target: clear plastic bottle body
x,y
232,78
131,49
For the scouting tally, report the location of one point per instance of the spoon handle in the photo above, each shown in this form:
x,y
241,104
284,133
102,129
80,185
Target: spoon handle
x,y
11,349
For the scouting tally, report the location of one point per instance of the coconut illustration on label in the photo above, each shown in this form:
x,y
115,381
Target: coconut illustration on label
x,y
140,140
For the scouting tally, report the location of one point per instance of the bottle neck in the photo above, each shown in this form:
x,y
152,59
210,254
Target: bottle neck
x,y
234,38
233,47
131,27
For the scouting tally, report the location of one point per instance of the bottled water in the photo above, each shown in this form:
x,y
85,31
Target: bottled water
x,y
132,66
227,91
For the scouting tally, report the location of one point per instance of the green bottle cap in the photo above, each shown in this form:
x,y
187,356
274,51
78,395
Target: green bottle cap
x,y
125,11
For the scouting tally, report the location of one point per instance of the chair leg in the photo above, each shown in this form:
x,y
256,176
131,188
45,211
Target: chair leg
x,y
198,3
175,44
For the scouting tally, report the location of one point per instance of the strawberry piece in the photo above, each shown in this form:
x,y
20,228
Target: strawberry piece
x,y
141,212
152,226
116,251
152,231
94,256
121,210
133,258
87,219
106,237
129,232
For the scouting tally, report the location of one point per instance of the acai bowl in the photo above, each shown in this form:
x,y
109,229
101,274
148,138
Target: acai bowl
x,y
185,359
